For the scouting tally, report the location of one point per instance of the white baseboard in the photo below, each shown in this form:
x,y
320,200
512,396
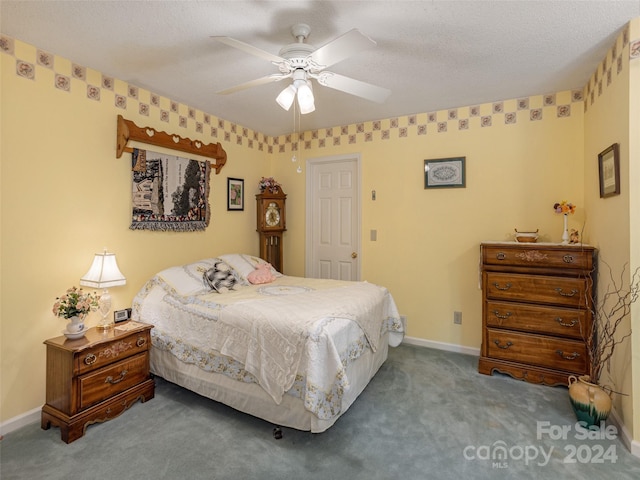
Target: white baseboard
x,y
20,421
632,445
449,347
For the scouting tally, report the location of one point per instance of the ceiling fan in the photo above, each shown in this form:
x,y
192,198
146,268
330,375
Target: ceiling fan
x,y
303,62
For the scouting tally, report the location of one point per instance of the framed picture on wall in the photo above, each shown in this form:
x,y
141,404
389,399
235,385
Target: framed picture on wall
x,y
609,168
444,172
235,194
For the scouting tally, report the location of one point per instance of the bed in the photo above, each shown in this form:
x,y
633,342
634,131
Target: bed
x,y
293,351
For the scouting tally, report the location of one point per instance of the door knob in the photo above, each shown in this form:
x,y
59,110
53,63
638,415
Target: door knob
x,y
354,255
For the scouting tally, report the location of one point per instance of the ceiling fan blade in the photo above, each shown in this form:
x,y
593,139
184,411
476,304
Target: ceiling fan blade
x,y
250,49
354,87
342,47
253,83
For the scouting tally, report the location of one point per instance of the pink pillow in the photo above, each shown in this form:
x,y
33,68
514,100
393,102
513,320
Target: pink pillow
x,y
262,274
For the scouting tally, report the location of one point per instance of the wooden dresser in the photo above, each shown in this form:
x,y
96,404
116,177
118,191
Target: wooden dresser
x,y
96,378
535,307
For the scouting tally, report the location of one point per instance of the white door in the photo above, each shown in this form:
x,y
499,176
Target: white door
x,y
333,218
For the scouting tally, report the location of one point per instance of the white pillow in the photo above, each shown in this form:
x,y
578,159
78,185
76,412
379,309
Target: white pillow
x,y
243,265
187,279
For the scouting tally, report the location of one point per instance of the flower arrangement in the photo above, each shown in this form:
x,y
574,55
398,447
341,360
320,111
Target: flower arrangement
x,y
564,207
75,302
268,183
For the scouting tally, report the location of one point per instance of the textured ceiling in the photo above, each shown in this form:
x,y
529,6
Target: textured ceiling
x,y
432,55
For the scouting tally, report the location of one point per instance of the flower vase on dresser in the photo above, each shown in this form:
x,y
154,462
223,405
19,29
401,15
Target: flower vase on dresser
x,y
76,324
74,306
75,327
565,208
565,231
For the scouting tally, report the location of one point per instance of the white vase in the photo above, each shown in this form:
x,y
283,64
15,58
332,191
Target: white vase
x,y
565,232
75,325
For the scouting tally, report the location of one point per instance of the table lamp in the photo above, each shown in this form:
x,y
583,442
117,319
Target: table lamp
x,y
104,273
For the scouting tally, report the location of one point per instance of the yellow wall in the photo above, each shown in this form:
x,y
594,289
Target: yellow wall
x,y
427,245
632,404
65,196
612,105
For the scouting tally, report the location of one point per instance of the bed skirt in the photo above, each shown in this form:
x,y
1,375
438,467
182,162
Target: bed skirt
x,y
252,399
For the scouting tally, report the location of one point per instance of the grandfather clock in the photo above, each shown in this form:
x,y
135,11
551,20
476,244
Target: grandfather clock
x,y
271,225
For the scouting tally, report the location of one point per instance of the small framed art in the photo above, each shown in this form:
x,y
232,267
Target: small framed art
x,y
235,194
609,168
444,173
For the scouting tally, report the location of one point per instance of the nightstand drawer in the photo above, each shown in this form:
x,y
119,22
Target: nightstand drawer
x,y
524,256
109,381
543,289
98,356
560,354
565,322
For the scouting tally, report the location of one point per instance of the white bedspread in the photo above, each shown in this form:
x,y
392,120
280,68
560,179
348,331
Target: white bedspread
x,y
269,335
275,329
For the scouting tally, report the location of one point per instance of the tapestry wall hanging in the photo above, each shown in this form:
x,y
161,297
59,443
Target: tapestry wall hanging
x,y
169,193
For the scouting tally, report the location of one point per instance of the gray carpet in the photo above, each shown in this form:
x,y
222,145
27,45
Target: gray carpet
x,y
426,414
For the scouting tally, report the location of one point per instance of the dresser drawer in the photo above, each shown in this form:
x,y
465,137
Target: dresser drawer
x,y
560,354
543,289
100,355
564,322
109,381
520,256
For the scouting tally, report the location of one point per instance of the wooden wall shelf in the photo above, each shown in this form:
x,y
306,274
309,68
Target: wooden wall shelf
x,y
127,130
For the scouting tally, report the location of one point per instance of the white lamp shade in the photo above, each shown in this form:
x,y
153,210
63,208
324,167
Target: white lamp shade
x,y
104,272
286,97
305,99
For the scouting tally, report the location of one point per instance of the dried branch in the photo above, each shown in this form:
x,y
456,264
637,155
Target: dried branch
x,y
608,312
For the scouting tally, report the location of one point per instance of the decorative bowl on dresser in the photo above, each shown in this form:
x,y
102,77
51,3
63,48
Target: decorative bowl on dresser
x,y
96,378
536,303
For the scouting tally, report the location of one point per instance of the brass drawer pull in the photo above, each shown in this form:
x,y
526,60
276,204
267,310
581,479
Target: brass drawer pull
x,y
110,379
90,359
497,342
141,341
568,325
570,356
568,259
501,255
570,294
504,317
506,287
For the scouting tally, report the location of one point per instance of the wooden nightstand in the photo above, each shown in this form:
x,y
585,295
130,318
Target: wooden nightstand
x,y
96,378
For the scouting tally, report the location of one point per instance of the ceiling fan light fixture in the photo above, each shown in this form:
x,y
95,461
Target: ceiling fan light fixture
x,y
305,98
301,62
286,97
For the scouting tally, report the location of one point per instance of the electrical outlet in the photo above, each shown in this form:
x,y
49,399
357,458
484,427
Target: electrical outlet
x,y
457,318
